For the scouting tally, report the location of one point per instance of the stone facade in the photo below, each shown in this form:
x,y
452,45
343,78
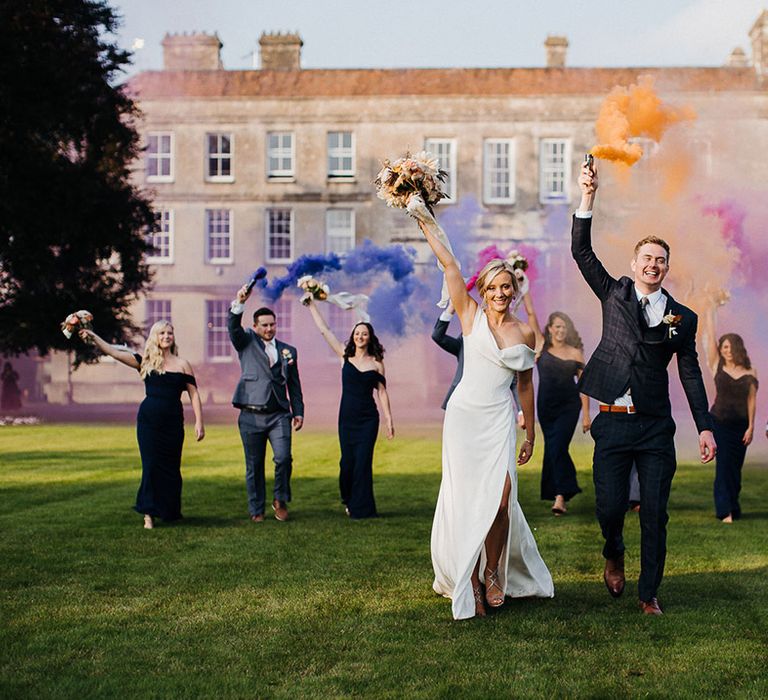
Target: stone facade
x,y
217,143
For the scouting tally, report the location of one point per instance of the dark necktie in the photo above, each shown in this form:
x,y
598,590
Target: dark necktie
x,y
643,301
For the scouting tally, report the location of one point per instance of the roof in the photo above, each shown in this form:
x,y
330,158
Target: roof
x,y
430,81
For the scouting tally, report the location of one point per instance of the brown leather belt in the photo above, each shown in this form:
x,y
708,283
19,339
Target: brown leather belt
x,y
617,409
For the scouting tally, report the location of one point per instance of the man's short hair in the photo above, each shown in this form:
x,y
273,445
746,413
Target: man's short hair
x,y
263,311
656,241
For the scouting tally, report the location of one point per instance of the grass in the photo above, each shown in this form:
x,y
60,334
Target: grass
x,y
94,606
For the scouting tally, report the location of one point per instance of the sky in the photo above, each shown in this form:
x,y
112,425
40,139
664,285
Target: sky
x,y
440,33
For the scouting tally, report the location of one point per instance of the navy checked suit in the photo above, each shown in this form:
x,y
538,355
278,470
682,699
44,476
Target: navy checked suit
x,y
633,356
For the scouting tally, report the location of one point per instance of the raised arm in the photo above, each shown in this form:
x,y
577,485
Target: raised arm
x,y
336,345
119,353
440,333
709,339
237,336
533,322
590,267
464,304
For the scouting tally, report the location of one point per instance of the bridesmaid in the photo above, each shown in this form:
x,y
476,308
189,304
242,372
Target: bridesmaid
x,y
558,404
733,414
160,421
362,371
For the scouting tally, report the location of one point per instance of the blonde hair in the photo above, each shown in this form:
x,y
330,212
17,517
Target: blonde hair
x,y
152,361
489,272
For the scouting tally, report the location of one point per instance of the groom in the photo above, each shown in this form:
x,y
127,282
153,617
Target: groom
x,y
643,327
270,401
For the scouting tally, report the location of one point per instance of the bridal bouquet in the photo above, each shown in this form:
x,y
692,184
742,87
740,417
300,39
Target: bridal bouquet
x,y
313,289
518,261
412,174
76,321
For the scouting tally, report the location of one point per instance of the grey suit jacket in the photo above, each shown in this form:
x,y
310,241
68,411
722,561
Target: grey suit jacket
x,y
258,381
455,346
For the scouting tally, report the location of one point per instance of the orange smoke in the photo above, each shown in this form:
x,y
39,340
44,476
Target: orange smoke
x,y
633,111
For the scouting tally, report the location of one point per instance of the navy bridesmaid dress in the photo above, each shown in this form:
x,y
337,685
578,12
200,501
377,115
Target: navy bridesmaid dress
x,y
558,405
160,433
358,429
731,419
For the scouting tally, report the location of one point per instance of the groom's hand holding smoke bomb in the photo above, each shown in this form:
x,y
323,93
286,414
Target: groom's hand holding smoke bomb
x,y
588,182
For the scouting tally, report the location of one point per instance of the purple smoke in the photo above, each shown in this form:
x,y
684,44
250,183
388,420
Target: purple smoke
x,y
368,257
397,306
304,265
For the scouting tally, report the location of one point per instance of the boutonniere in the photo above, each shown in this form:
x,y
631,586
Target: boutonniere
x,y
287,356
673,321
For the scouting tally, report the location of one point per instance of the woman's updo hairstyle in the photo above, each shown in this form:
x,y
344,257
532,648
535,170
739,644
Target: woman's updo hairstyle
x,y
489,272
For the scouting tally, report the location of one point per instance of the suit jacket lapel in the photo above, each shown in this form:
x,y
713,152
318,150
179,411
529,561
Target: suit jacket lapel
x,y
261,353
283,364
631,310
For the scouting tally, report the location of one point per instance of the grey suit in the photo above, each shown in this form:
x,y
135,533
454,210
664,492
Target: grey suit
x,y
268,397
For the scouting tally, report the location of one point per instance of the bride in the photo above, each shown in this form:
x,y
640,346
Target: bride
x,y
478,522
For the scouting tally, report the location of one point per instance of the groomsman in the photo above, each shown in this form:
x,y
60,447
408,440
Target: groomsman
x,y
270,401
643,327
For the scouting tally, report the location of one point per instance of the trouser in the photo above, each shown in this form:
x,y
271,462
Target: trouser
x,y
622,439
255,430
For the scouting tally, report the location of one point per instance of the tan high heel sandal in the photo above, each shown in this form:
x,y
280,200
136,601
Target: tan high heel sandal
x,y
149,524
479,602
492,581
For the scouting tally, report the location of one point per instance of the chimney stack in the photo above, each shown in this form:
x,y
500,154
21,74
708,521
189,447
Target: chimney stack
x,y
280,51
758,35
556,47
737,59
195,51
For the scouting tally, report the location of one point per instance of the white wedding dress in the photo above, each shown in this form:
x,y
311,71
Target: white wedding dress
x,y
478,452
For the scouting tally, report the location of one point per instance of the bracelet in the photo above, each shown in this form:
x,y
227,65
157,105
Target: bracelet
x,y
530,442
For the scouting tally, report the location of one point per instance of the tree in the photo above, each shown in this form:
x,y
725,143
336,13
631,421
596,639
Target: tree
x,y
72,225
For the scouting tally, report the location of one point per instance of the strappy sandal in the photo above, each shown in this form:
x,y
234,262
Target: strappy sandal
x,y
491,581
149,524
479,601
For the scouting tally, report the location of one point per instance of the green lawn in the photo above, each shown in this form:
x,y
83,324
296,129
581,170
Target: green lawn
x,y
95,606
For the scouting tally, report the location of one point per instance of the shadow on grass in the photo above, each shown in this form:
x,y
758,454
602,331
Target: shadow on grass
x,y
81,459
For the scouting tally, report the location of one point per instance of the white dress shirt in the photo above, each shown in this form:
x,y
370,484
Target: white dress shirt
x,y
654,313
270,347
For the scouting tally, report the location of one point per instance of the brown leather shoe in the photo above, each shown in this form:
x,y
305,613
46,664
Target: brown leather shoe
x,y
613,575
650,607
257,518
281,510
